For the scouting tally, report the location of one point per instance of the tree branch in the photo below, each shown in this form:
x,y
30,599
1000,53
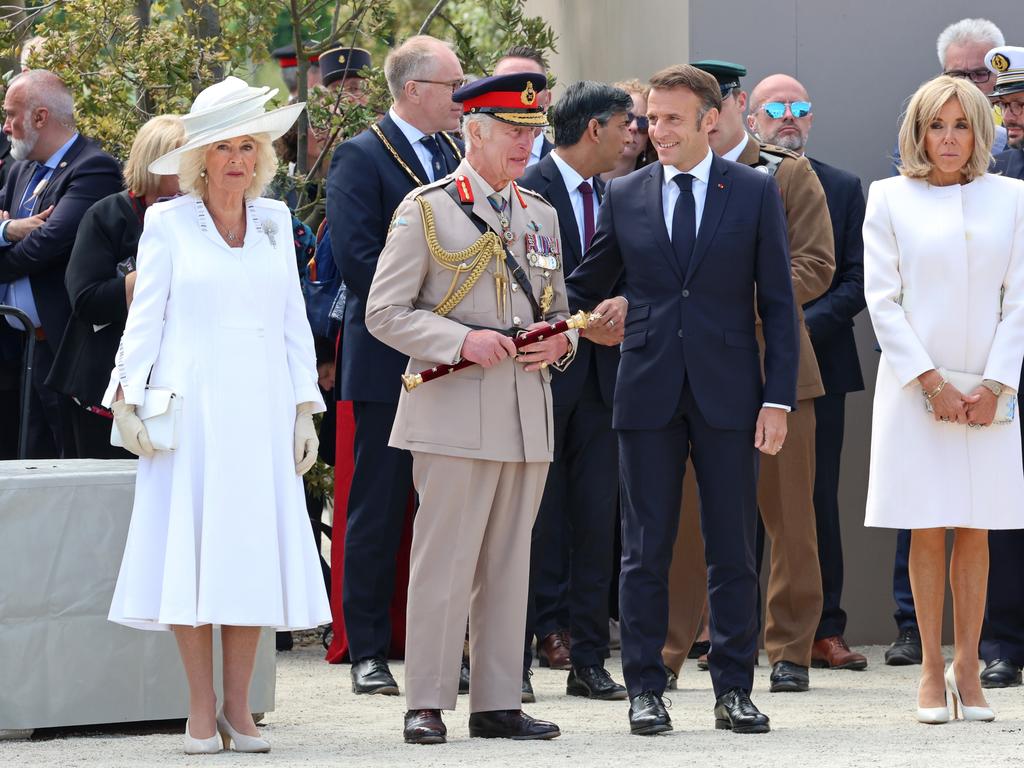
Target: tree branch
x,y
431,16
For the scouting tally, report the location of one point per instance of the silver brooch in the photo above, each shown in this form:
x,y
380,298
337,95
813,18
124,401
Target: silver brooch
x,y
270,229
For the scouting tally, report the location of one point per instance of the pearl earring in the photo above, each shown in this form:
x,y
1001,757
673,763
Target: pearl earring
x,y
202,173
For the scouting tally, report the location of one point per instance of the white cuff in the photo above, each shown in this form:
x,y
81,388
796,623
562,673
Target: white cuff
x,y
785,408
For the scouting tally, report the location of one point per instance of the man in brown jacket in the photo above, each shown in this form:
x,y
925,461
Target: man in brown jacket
x,y
481,438
786,481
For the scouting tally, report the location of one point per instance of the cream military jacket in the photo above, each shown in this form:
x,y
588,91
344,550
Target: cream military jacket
x,y
500,414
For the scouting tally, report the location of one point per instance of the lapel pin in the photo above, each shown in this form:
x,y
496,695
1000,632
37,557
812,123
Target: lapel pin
x,y
64,164
721,185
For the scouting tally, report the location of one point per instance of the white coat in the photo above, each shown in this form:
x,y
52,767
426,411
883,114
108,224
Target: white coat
x,y
219,531
937,261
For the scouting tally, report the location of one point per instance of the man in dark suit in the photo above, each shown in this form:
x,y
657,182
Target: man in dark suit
x,y
523,58
1002,635
369,176
829,321
701,243
591,125
59,176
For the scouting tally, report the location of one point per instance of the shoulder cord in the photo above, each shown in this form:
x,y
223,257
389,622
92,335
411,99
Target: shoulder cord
x,y
394,153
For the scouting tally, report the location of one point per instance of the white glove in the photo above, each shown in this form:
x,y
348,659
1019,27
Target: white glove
x,y
133,431
306,441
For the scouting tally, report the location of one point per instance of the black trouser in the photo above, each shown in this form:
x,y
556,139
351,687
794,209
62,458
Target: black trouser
x,y
580,501
377,503
50,435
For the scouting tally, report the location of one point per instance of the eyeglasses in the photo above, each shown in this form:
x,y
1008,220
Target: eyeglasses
x,y
1015,108
974,75
642,123
453,84
777,109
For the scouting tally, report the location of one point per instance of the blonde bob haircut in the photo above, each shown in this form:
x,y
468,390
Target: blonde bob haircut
x,y
925,106
155,138
192,168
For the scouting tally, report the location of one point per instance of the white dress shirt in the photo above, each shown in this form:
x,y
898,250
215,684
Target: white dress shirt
x,y
536,149
413,135
572,180
734,153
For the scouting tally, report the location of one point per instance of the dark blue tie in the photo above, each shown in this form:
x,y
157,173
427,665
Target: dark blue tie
x,y
28,200
436,158
684,221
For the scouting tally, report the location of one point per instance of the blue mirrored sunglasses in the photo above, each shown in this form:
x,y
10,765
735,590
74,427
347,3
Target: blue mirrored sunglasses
x,y
777,109
642,123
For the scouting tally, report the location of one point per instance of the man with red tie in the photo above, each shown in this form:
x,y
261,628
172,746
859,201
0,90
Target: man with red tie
x,y
591,128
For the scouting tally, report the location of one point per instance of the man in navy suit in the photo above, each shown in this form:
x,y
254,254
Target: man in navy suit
x,y
60,174
369,176
591,125
523,58
829,321
1002,636
701,244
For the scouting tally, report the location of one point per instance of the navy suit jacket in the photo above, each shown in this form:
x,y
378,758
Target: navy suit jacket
x,y
85,175
698,326
829,318
545,179
364,187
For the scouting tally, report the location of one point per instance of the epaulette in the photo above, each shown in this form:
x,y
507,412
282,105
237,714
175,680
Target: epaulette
x,y
773,149
531,193
413,194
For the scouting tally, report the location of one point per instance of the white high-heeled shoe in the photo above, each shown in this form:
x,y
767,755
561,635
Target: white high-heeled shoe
x,y
979,714
194,746
933,715
242,742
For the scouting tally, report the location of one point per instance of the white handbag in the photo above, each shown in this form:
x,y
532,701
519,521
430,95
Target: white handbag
x,y
1006,405
160,413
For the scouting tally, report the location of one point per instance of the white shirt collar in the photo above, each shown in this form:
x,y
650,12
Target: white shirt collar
x,y
570,175
701,171
410,131
538,146
734,153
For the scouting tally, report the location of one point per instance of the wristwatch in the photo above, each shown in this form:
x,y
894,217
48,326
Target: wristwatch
x,y
992,386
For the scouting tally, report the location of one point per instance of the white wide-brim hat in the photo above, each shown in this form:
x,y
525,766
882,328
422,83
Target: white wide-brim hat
x,y
226,110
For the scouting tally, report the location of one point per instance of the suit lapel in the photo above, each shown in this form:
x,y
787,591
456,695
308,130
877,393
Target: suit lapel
x,y
404,149
558,196
599,189
656,217
51,183
714,205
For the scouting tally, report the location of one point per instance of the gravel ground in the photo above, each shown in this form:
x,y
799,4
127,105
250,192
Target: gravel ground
x,y
848,718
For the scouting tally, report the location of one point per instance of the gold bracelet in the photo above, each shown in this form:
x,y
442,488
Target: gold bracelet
x,y
935,393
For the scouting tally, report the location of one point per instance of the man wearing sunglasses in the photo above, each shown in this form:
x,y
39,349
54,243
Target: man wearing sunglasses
x,y
785,481
780,113
1002,635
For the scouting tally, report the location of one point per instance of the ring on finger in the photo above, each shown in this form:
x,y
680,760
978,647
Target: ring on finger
x,y
611,323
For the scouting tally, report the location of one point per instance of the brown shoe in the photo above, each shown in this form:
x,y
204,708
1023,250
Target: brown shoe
x,y
553,651
424,726
834,653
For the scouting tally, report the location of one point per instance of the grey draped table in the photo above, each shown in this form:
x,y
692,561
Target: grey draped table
x,y
63,526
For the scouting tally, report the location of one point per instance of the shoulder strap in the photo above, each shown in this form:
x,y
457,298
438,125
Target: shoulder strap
x,y
510,261
769,163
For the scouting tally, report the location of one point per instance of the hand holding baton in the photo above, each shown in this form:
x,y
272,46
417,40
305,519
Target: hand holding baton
x,y
578,321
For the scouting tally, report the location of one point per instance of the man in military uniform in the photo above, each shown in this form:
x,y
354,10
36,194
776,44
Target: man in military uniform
x,y
344,69
470,259
785,481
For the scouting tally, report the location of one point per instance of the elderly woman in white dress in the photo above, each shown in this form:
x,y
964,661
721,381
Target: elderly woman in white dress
x,y
944,282
219,531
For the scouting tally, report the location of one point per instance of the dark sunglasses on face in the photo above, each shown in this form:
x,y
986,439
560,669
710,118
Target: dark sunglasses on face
x,y
777,109
1015,108
642,124
974,75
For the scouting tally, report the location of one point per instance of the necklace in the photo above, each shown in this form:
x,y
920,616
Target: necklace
x,y
227,232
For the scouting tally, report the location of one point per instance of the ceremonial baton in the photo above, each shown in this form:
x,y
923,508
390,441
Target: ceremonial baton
x,y
579,321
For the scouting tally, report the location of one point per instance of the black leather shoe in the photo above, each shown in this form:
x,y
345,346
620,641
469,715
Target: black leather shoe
x,y
698,649
464,676
647,715
671,680
424,726
734,711
906,650
1000,673
373,676
510,724
528,697
788,677
593,683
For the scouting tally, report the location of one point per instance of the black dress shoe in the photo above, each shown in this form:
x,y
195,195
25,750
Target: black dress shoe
x,y
734,711
1000,673
373,676
464,676
283,641
671,680
510,724
593,683
647,715
698,649
788,677
424,726
906,650
528,697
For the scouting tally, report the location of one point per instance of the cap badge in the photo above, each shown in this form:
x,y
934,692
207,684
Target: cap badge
x,y
341,59
1000,63
529,94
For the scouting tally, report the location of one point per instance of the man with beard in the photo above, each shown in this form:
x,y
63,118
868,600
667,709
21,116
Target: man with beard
x,y
60,174
780,114
1002,635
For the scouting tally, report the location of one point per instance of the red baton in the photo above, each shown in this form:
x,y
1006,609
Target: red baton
x,y
579,321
